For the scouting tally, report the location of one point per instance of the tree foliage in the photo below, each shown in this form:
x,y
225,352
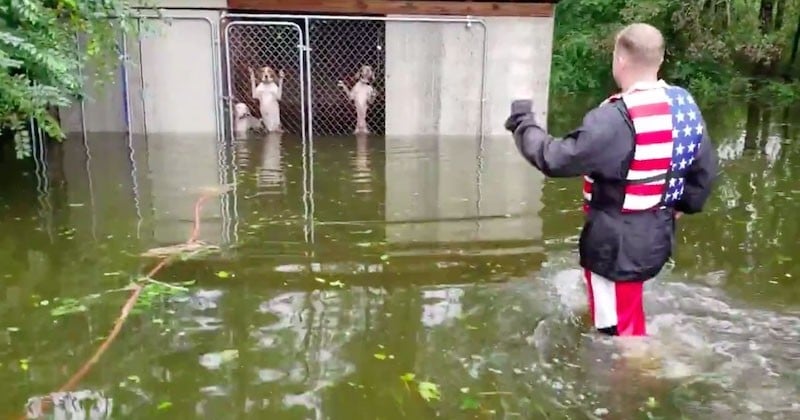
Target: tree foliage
x,y
40,62
713,46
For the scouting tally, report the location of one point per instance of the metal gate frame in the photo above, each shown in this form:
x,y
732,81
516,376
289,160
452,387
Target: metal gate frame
x,y
228,98
305,38
305,47
226,175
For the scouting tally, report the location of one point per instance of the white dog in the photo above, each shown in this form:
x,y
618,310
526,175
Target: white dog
x,y
244,121
363,95
268,93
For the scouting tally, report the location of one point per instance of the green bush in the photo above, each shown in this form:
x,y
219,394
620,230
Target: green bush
x,y
40,63
714,47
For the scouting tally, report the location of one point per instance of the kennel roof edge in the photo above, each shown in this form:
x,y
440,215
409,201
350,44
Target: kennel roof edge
x,y
540,8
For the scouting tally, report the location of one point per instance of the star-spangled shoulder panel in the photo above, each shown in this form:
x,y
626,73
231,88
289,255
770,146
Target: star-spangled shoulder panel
x,y
687,134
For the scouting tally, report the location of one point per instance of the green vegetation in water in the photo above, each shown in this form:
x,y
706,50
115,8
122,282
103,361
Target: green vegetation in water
x,y
152,292
714,47
427,390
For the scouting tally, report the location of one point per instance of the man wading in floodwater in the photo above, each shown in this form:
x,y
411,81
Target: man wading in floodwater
x,y
645,158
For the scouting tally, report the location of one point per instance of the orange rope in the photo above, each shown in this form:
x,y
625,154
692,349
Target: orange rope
x,y
126,309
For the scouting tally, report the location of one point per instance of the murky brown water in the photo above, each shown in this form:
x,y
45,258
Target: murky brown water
x,y
448,258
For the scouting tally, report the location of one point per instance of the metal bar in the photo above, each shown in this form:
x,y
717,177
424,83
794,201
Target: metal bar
x,y
125,86
228,97
303,71
142,94
307,26
217,69
339,17
484,71
80,76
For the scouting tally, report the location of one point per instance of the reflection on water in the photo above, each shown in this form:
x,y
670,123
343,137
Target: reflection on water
x,y
370,258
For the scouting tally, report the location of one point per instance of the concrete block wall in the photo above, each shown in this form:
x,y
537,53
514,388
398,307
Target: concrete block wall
x,y
170,82
434,73
433,78
520,53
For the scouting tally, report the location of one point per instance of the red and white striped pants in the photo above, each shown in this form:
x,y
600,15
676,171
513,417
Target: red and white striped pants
x,y
616,308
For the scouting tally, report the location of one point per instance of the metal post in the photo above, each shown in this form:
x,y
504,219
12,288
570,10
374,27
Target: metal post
x,y
142,94
125,86
310,156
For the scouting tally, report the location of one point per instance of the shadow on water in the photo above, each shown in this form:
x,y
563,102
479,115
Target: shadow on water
x,y
449,258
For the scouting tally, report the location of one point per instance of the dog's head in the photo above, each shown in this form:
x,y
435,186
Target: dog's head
x,y
241,110
366,75
268,74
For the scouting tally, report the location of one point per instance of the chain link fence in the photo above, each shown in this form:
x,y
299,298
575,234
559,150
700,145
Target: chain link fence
x,y
254,45
339,49
434,74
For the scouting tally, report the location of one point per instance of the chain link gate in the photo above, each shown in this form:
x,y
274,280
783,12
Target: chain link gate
x,y
339,49
258,44
323,56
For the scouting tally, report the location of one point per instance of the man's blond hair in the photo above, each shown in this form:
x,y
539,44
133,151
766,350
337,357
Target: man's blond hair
x,y
643,44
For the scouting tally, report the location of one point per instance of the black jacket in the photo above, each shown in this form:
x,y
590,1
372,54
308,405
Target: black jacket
x,y
618,246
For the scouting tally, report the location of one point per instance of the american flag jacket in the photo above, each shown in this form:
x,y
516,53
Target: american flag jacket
x,y
644,154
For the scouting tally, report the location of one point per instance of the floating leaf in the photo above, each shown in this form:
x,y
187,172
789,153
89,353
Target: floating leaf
x,y
320,280
384,257
428,391
407,377
337,283
380,356
23,364
164,405
68,306
469,403
223,274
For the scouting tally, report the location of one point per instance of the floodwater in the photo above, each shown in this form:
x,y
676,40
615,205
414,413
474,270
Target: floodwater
x,y
385,279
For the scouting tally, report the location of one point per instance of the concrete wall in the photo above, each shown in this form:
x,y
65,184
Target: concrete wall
x,y
520,53
104,108
433,74
433,78
179,76
170,80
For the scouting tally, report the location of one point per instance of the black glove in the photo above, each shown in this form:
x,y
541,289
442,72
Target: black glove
x,y
521,109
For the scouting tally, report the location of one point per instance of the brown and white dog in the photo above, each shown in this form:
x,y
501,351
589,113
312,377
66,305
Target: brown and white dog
x,y
363,95
268,92
243,121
